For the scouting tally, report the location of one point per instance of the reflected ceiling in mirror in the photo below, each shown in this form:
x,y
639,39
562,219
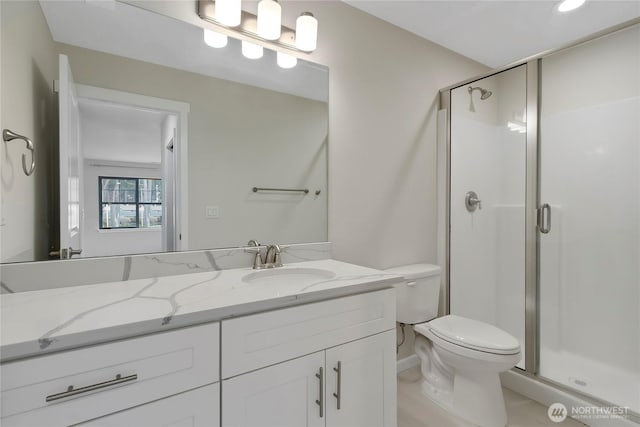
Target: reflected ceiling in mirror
x,y
125,30
172,136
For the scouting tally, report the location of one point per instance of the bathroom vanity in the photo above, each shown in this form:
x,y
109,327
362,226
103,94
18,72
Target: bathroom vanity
x,y
309,344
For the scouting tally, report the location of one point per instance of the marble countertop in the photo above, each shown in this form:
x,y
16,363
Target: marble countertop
x,y
39,322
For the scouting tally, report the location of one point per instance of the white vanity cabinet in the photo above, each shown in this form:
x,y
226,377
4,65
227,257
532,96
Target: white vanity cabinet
x,y
292,367
327,363
358,376
195,408
74,386
282,395
366,370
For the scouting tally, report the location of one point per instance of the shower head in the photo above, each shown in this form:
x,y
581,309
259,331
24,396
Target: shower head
x,y
484,94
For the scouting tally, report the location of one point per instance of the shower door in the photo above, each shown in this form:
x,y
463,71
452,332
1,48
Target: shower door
x,y
589,278
544,212
487,201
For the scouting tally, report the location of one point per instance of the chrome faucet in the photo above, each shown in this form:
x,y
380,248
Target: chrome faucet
x,y
272,258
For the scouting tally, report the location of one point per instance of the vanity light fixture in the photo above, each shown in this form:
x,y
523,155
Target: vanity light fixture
x,y
267,26
286,61
215,39
229,12
306,32
269,19
569,5
251,50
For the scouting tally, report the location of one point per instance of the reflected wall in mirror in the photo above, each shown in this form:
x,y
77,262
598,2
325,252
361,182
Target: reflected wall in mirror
x,y
149,140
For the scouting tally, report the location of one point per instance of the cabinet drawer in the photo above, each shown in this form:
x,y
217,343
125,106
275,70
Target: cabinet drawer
x,y
108,377
263,339
195,408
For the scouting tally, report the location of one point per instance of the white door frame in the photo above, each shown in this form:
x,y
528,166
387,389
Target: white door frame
x,y
181,110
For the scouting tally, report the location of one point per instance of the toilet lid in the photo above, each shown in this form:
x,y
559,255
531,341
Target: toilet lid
x,y
474,334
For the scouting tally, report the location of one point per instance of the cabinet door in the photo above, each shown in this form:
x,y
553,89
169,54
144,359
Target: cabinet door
x,y
367,389
283,395
195,408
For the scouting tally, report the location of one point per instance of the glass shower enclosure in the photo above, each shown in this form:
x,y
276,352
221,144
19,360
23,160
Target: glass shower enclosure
x,y
543,212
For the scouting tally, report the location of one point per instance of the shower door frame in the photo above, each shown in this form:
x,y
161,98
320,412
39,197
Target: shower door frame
x,y
532,207
532,68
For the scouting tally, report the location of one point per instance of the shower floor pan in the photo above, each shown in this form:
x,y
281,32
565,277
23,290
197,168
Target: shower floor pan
x,y
594,378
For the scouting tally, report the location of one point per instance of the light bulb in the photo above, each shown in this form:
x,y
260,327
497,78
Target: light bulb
x,y
286,61
269,19
251,50
306,32
229,12
568,5
214,39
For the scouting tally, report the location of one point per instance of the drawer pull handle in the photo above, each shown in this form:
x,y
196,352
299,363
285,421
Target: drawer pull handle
x,y
119,379
320,402
338,370
412,283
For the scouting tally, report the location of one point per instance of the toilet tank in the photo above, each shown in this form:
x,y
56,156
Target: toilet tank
x,y
418,295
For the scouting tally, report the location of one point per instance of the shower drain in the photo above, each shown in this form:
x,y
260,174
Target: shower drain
x,y
578,381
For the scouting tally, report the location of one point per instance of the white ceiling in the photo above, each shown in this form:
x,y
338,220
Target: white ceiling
x,y
496,33
125,30
120,132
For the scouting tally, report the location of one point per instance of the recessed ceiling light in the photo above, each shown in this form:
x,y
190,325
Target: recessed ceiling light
x,y
568,5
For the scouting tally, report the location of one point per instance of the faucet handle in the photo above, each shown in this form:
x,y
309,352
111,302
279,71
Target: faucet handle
x,y
258,261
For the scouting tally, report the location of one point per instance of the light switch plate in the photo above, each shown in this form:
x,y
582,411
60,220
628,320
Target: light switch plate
x,y
212,212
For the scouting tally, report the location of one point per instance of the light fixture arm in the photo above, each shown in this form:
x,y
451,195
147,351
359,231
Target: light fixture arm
x,y
248,26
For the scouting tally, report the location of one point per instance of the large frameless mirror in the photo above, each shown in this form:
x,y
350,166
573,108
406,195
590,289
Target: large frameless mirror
x,y
148,140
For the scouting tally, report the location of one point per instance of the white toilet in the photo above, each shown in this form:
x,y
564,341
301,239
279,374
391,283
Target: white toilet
x,y
461,359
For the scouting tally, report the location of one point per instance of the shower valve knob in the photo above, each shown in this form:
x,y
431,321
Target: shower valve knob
x,y
472,202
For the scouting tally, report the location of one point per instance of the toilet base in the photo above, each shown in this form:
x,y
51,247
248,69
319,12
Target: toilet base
x,y
442,398
476,398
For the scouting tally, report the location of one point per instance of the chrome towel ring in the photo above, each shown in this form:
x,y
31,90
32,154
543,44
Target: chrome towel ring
x,y
9,135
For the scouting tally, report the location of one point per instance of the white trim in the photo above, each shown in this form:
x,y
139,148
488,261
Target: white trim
x,y
547,395
110,95
441,203
181,109
100,163
408,363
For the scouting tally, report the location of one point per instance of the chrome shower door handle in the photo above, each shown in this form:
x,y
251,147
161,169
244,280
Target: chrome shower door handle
x,y
544,218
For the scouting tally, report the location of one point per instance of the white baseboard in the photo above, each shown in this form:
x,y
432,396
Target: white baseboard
x,y
546,394
408,363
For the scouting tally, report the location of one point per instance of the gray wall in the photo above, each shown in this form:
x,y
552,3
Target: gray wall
x,y
29,107
383,92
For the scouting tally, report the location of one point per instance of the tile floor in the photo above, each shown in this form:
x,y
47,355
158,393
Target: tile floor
x,y
415,410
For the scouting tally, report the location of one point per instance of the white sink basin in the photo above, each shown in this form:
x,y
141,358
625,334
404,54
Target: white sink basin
x,y
288,276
